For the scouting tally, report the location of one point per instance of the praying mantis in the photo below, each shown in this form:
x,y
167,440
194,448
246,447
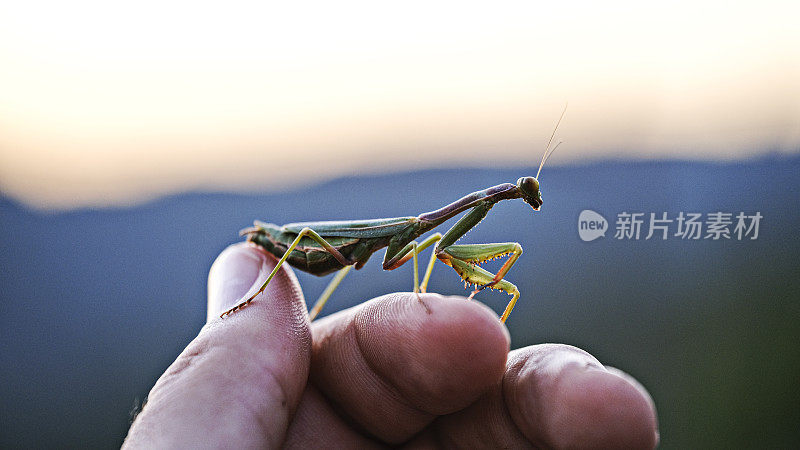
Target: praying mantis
x,y
321,248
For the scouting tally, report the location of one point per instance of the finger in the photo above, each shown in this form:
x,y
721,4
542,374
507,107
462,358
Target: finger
x,y
239,382
554,396
393,364
563,397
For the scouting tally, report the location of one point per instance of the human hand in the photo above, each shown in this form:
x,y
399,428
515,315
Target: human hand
x,y
390,371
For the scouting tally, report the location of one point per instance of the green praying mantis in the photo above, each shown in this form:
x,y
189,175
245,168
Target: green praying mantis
x,y
321,248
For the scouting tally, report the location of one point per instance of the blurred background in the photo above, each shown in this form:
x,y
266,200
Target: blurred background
x,y
137,139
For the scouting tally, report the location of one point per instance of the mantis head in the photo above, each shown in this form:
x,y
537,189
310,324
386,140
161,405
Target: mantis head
x,y
529,188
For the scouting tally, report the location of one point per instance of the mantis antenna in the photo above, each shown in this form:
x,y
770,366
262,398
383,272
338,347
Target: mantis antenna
x,y
546,154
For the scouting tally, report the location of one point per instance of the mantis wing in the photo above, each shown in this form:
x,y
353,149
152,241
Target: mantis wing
x,y
354,228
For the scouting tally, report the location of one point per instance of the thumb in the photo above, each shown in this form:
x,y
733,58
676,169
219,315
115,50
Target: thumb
x,y
239,381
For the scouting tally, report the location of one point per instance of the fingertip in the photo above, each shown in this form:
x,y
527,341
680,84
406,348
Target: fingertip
x,y
446,351
232,275
239,272
617,414
563,397
649,412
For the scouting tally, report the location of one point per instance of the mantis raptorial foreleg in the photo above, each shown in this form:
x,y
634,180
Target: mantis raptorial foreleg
x,y
464,258
479,253
304,232
477,275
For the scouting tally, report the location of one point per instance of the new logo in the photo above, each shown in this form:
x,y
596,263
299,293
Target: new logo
x,y
591,225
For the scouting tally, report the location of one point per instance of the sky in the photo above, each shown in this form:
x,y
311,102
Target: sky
x,y
114,103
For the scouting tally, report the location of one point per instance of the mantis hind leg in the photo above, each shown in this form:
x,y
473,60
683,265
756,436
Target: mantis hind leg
x,y
304,232
326,294
464,259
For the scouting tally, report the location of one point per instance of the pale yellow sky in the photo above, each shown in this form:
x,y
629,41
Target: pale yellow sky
x,y
109,103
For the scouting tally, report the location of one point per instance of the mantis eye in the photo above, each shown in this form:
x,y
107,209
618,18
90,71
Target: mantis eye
x,y
529,185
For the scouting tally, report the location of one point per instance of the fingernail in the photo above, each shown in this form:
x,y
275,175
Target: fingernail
x,y
232,275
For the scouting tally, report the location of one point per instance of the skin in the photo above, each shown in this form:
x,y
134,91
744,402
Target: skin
x,y
388,372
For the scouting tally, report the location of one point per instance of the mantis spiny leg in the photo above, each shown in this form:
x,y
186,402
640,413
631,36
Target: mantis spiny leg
x,y
464,258
479,253
304,232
